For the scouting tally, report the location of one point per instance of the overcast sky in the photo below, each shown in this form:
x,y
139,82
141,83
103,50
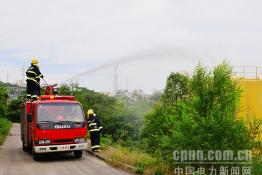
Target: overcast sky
x,y
153,37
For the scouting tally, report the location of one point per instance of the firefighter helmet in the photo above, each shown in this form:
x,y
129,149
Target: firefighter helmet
x,y
90,111
34,61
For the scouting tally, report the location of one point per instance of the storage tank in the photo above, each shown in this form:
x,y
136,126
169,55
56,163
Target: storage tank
x,y
250,80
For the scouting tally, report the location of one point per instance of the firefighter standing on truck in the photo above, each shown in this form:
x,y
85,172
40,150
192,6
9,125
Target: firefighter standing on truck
x,y
94,127
33,80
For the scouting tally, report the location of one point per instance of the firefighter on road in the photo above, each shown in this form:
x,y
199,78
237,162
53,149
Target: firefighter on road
x,y
94,127
33,80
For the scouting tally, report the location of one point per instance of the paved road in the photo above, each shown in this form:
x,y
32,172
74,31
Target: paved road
x,y
14,161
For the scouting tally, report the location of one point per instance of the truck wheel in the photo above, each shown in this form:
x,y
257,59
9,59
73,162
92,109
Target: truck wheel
x,y
78,154
35,155
25,148
29,148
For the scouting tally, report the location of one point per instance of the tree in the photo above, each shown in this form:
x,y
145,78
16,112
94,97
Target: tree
x,y
177,87
70,89
136,106
13,107
204,119
3,101
109,109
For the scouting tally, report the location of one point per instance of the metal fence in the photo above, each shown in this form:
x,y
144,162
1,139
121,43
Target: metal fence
x,y
247,72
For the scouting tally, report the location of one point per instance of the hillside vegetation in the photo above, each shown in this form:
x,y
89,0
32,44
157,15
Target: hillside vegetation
x,y
193,113
5,124
197,112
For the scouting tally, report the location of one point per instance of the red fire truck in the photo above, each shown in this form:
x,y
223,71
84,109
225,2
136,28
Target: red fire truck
x,y
53,124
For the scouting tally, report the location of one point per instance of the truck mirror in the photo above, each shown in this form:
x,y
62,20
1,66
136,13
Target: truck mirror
x,y
29,118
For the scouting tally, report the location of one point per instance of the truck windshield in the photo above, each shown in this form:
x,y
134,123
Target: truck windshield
x,y
59,112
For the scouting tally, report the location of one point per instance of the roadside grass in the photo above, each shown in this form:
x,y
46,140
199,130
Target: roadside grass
x,y
5,126
137,162
132,160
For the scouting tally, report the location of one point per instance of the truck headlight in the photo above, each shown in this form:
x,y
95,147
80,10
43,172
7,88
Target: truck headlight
x,y
80,140
47,141
43,142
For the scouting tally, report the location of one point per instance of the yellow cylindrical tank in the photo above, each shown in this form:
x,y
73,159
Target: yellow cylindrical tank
x,y
250,107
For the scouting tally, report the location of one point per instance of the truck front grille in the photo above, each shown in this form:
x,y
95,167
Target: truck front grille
x,y
63,141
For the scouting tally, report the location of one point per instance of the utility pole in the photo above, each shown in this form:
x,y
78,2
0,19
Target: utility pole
x,y
127,82
7,77
115,81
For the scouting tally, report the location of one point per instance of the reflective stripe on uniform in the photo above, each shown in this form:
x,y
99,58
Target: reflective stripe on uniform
x,y
96,146
31,72
39,76
32,80
94,130
28,95
100,127
92,124
34,96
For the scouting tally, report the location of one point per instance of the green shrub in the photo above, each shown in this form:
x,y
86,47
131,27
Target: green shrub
x,y
142,164
107,140
121,116
5,126
200,114
13,113
3,101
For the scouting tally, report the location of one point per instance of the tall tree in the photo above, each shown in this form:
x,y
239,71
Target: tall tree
x,y
3,101
177,87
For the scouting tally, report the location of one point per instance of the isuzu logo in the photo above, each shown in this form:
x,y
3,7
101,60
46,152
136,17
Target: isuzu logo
x,y
62,126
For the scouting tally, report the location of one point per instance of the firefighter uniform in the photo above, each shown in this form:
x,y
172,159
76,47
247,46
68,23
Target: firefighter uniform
x,y
33,80
94,127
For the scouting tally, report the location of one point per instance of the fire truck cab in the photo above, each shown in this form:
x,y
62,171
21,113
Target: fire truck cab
x,y
53,124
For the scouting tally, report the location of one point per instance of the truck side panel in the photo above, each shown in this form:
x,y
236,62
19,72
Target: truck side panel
x,y
29,125
22,122
25,126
